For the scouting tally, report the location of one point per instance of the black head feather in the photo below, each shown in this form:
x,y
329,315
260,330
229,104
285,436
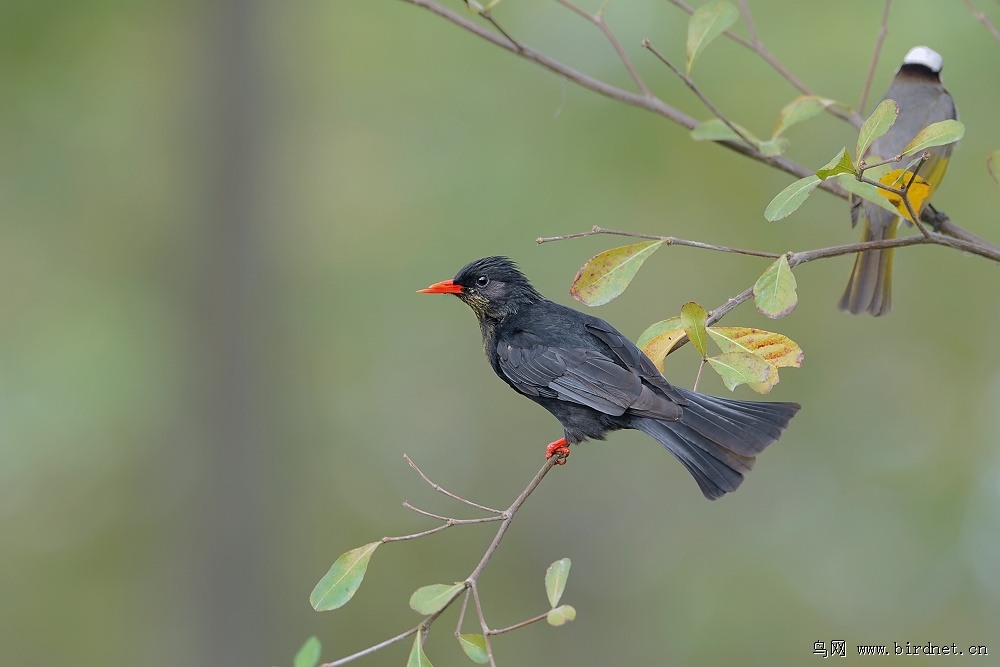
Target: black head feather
x,y
494,287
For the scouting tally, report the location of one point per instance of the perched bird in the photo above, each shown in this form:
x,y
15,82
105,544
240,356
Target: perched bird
x,y
594,380
922,100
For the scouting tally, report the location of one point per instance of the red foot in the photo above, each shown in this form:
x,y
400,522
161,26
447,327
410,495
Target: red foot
x,y
560,447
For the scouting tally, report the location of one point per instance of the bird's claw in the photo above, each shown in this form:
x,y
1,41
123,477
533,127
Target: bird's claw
x,y
561,448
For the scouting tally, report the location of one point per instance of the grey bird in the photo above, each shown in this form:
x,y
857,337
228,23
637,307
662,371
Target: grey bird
x,y
922,100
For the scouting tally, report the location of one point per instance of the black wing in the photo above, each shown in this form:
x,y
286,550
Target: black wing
x,y
579,375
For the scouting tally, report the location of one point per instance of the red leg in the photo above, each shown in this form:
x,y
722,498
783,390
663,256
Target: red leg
x,y
560,446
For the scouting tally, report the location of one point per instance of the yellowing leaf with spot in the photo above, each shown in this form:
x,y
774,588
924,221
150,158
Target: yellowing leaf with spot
x,y
774,292
774,348
661,339
739,367
917,193
340,584
693,318
705,25
606,275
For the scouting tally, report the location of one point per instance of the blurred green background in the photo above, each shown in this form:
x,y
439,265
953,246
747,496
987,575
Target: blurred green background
x,y
213,218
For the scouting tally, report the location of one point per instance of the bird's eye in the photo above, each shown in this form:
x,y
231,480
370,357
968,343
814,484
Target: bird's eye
x,y
482,281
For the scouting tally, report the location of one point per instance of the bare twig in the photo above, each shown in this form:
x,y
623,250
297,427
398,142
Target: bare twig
x,y
697,378
455,522
598,20
701,96
669,239
882,31
489,17
483,625
517,626
982,18
441,489
373,649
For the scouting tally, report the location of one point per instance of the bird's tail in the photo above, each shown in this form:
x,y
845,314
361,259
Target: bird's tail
x,y
717,439
870,285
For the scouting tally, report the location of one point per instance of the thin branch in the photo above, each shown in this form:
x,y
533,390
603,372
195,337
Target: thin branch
x,y
883,30
455,522
441,489
489,17
518,626
982,18
701,96
758,47
669,239
697,378
509,516
598,20
482,624
461,613
372,649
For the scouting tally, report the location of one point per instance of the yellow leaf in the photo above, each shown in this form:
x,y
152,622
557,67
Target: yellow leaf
x,y
917,193
774,348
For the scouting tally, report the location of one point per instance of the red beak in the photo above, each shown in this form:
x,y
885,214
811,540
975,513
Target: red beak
x,y
443,287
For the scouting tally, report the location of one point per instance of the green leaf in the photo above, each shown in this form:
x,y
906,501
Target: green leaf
x,y
842,164
417,657
716,130
935,134
659,339
866,191
606,275
308,655
561,615
739,367
338,586
693,318
992,166
706,24
555,580
774,292
798,110
789,199
877,124
773,147
474,647
474,7
432,599
774,348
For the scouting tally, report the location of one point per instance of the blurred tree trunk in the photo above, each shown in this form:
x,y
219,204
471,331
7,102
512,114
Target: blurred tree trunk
x,y
232,576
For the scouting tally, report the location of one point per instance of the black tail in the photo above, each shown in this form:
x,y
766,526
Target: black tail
x,y
718,438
